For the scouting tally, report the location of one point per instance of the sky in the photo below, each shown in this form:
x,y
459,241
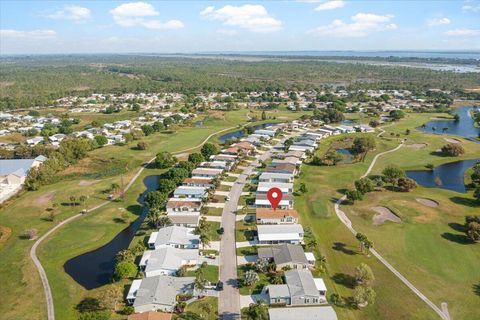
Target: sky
x,y
46,27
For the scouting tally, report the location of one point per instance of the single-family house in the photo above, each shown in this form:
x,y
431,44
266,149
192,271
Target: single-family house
x,y
276,177
300,288
280,233
184,220
150,315
282,168
206,172
198,182
35,140
158,293
167,260
291,256
190,192
261,201
279,216
303,313
174,236
263,187
184,206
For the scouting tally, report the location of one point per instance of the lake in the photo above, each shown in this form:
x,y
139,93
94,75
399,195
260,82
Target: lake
x,y
464,127
95,268
346,154
241,133
450,176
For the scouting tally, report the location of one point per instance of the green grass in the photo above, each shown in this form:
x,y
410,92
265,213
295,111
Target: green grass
x,y
214,211
339,246
213,232
244,231
254,289
199,307
416,247
247,251
22,295
209,272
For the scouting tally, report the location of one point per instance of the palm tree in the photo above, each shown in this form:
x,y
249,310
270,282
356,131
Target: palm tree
x,y
123,255
83,200
361,238
153,217
73,201
164,221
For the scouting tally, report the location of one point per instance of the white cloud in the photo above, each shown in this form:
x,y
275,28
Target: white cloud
x,y
28,35
134,13
330,5
254,18
463,32
471,8
227,32
362,24
71,12
438,22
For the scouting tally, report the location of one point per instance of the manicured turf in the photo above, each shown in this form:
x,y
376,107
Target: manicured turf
x,y
429,246
22,295
339,246
206,308
209,272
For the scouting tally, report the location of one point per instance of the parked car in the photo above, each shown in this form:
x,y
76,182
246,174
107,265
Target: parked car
x,y
221,230
227,198
219,285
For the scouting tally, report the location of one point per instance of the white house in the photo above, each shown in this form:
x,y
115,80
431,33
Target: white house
x,y
174,236
167,260
280,233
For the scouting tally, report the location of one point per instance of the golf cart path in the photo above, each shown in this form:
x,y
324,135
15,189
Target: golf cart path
x,y
33,251
346,221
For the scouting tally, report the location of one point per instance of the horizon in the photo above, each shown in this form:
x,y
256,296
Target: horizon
x,y
83,27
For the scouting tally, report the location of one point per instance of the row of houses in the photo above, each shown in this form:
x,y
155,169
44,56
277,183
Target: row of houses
x,y
281,229
173,247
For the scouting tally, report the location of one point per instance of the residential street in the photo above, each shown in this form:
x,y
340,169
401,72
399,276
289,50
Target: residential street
x,y
229,299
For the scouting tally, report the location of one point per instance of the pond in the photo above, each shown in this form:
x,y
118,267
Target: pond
x,y
450,176
95,268
346,154
464,127
241,133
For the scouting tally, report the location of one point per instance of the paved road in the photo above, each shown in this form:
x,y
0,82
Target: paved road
x,y
33,251
346,221
229,299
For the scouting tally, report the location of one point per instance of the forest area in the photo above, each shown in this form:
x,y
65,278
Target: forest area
x,y
37,81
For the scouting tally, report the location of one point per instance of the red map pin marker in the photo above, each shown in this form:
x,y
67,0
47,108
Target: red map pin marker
x,y
274,195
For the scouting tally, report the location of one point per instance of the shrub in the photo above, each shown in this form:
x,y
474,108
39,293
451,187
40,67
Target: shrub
x,y
406,184
453,150
124,269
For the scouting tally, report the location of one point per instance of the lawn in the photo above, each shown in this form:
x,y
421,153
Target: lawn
x,y
247,251
22,296
244,231
254,289
213,231
207,308
429,246
214,211
339,246
425,248
209,272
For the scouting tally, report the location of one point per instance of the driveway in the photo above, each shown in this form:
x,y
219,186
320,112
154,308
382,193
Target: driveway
x,y
245,301
241,260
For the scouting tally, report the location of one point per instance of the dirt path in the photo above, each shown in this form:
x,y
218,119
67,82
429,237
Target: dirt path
x,y
346,221
33,251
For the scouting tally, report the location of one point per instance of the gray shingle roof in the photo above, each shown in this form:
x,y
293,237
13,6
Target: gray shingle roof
x,y
176,235
18,166
162,290
300,283
284,253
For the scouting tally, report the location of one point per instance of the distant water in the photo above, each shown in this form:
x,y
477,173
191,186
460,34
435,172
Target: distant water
x,y
372,54
450,176
464,127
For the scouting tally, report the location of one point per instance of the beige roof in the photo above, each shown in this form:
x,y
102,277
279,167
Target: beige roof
x,y
270,213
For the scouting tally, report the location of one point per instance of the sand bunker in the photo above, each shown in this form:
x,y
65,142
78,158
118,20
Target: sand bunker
x,y
88,182
427,202
384,214
43,199
452,140
416,145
